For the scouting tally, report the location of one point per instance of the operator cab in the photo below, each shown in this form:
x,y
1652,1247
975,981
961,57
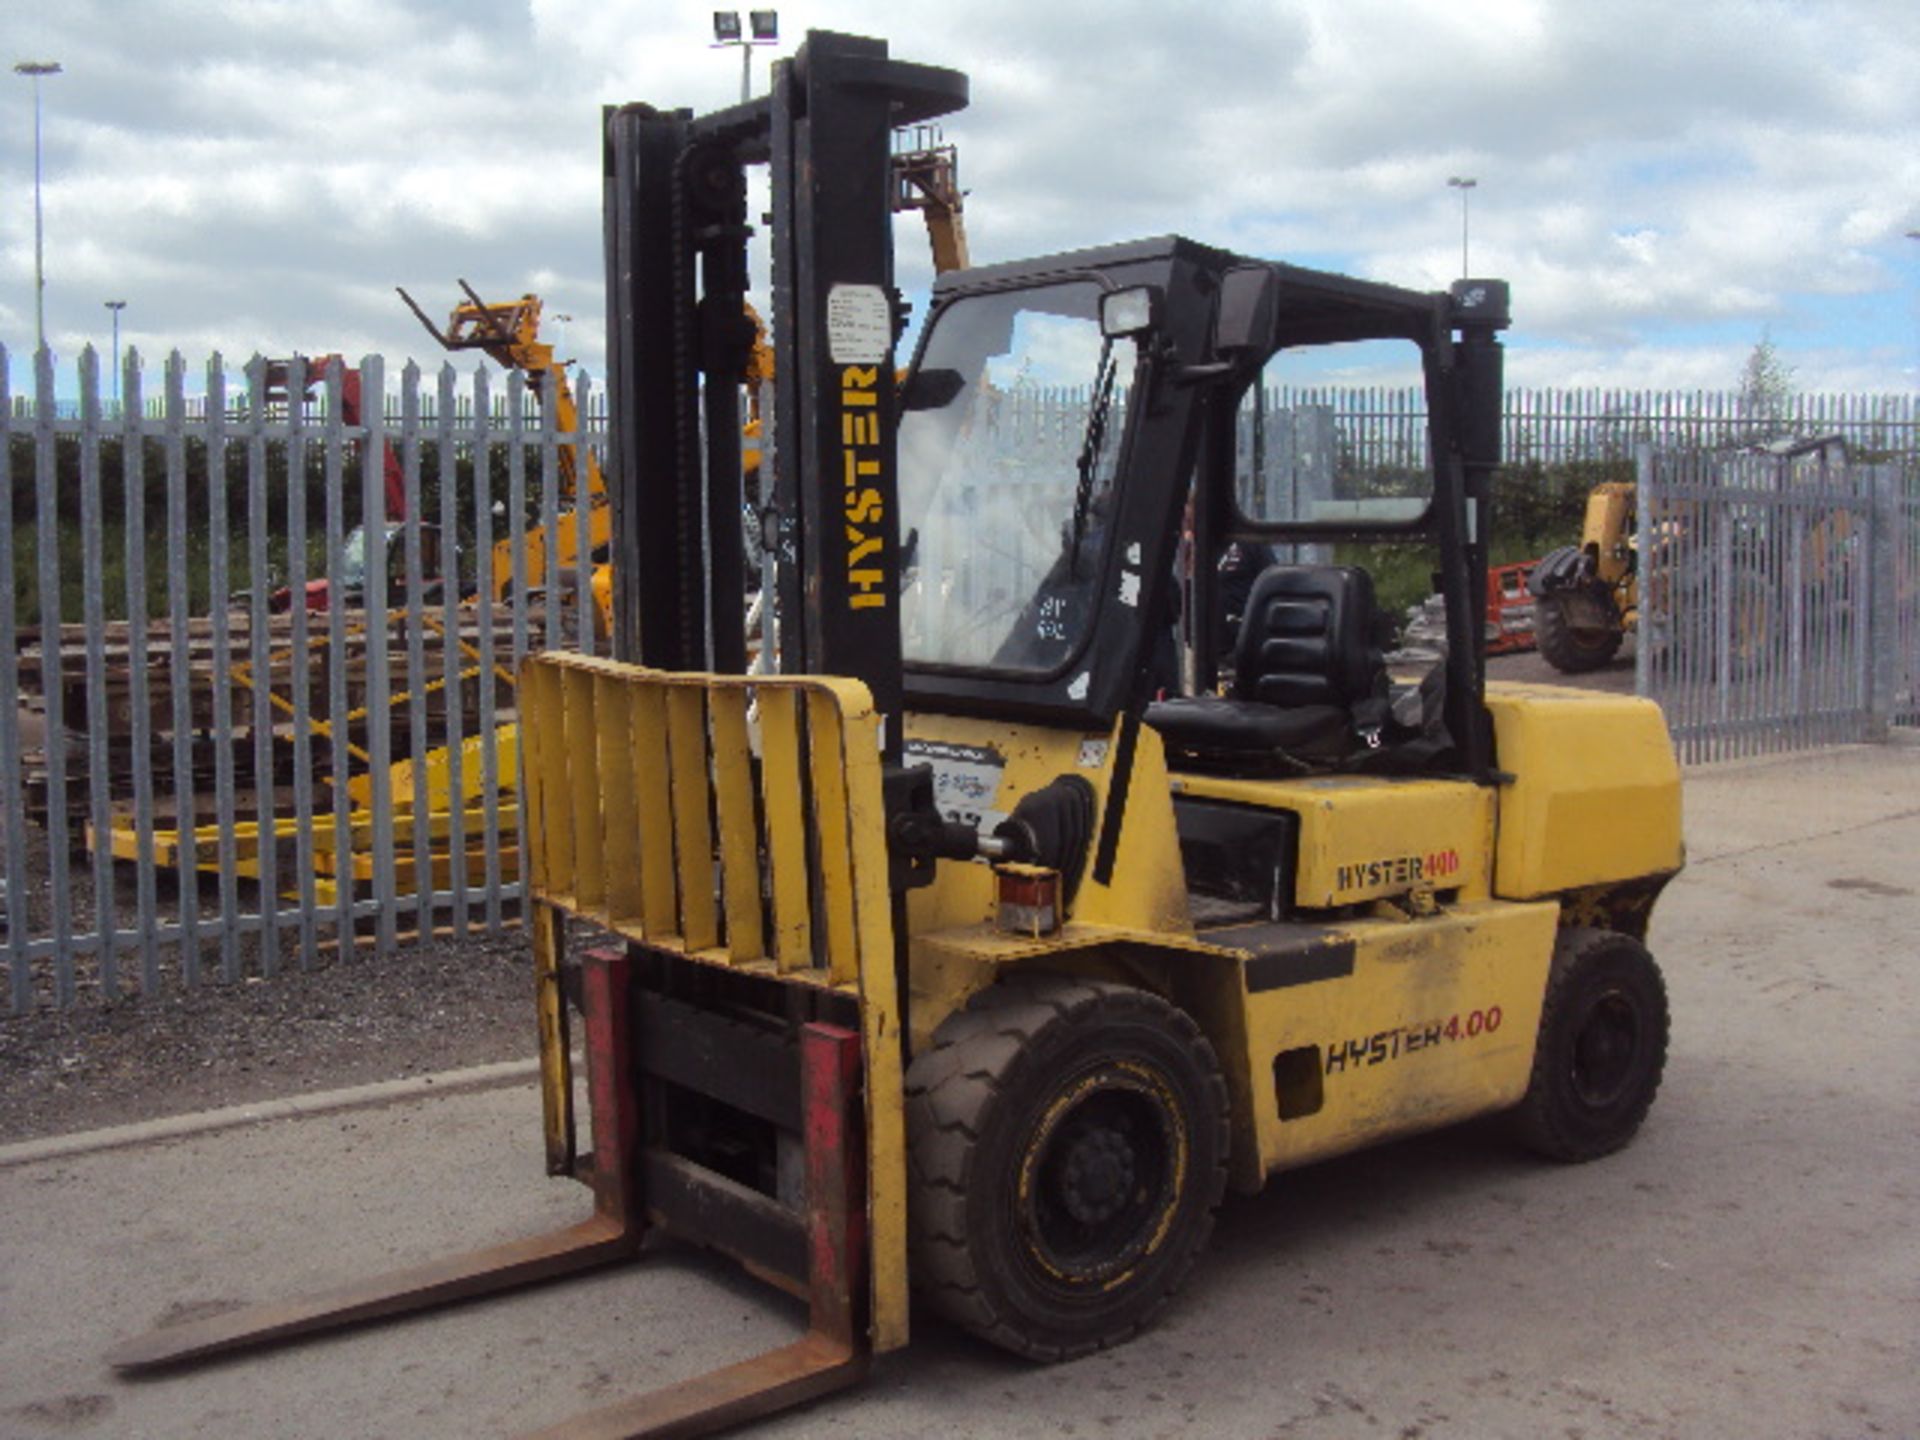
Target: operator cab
x,y
1088,440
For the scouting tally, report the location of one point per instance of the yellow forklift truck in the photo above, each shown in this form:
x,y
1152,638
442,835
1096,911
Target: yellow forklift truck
x,y
958,956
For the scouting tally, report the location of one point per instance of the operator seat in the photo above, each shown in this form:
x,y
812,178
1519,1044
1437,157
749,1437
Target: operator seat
x,y
1309,684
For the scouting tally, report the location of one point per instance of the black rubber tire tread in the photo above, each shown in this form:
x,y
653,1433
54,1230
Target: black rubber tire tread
x,y
1552,1119
993,1051
1570,651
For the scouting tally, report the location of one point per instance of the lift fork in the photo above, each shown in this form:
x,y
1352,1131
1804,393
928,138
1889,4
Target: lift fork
x,y
832,1355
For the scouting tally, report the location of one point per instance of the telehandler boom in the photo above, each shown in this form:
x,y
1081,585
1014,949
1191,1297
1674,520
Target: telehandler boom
x,y
958,953
509,334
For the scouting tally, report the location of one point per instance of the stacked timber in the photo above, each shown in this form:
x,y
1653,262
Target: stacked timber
x,y
210,678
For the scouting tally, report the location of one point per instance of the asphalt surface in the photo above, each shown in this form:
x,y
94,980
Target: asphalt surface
x,y
1749,1267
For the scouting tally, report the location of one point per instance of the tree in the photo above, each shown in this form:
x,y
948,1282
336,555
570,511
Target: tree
x,y
1766,390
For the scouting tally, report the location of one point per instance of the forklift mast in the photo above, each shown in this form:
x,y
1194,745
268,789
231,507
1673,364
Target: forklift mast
x,y
679,347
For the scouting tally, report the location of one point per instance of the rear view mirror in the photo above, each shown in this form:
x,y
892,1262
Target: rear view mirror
x,y
931,389
1249,306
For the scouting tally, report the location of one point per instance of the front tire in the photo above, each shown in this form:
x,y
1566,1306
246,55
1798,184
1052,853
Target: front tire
x,y
1602,1047
1571,649
1067,1145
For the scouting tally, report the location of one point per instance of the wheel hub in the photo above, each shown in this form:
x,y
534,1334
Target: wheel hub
x,y
1604,1052
1098,1176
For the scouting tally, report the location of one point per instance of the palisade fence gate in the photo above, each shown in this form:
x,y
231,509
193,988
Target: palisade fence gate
x,y
1779,597
239,736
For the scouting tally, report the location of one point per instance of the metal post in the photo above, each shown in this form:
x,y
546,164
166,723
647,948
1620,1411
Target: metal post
x,y
1913,234
116,306
1645,495
1463,183
1882,655
35,69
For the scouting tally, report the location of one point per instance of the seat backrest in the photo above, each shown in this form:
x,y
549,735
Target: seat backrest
x,y
1308,638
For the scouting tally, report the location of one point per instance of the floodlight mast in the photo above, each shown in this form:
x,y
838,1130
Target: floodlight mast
x,y
763,28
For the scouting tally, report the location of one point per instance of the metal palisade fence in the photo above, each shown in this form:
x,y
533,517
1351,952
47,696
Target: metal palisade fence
x,y
259,664
1547,425
259,642
1386,425
1779,598
1551,425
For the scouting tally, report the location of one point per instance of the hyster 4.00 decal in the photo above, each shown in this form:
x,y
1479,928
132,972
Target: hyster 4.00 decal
x,y
1385,1045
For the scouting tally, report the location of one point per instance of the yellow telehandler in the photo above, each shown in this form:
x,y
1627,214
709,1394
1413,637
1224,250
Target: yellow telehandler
x,y
1586,597
957,957
508,334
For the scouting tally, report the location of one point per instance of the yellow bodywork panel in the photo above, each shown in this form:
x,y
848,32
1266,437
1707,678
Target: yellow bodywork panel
x,y
1331,1035
1366,838
640,801
532,545
1377,1028
1597,793
981,770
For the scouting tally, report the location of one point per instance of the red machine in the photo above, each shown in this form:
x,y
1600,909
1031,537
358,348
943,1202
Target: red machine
x,y
1509,608
318,591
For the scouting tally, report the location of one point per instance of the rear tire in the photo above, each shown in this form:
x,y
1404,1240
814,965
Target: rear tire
x,y
1067,1145
1570,649
1602,1047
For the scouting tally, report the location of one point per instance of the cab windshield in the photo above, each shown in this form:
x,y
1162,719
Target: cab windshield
x,y
353,555
1009,436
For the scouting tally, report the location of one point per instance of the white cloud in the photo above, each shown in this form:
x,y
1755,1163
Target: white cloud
x,y
263,173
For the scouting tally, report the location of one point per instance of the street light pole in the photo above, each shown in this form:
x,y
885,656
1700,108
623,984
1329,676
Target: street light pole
x,y
1914,235
116,306
35,69
1463,183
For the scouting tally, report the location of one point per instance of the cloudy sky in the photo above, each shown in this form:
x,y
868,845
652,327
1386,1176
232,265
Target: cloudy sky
x,y
1663,181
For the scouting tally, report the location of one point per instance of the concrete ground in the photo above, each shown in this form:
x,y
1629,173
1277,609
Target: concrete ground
x,y
1749,1267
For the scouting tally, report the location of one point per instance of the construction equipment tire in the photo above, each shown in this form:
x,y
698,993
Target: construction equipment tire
x,y
1570,649
1067,1145
1602,1047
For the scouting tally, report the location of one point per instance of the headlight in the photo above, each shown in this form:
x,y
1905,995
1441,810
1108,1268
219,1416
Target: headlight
x,y
1126,312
